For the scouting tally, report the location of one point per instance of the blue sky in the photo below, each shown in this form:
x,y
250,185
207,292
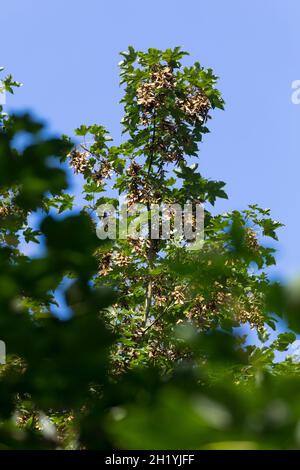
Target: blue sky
x,y
66,54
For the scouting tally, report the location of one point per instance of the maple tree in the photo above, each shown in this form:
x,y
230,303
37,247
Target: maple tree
x,y
151,355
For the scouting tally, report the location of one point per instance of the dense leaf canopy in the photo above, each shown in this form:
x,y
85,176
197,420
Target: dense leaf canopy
x,y
151,355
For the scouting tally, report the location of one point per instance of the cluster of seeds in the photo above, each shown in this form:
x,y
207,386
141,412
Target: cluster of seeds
x,y
79,161
179,295
167,150
140,245
161,293
171,151
109,259
146,97
160,300
134,170
150,94
251,239
121,260
204,311
159,290
250,312
105,264
11,210
5,211
139,189
196,105
162,77
104,172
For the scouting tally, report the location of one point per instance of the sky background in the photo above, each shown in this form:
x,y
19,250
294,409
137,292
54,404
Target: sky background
x,y
66,54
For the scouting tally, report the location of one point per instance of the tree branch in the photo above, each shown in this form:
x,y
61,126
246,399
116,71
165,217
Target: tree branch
x,y
151,253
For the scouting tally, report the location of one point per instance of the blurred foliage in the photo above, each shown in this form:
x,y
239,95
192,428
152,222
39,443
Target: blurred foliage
x,y
150,356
